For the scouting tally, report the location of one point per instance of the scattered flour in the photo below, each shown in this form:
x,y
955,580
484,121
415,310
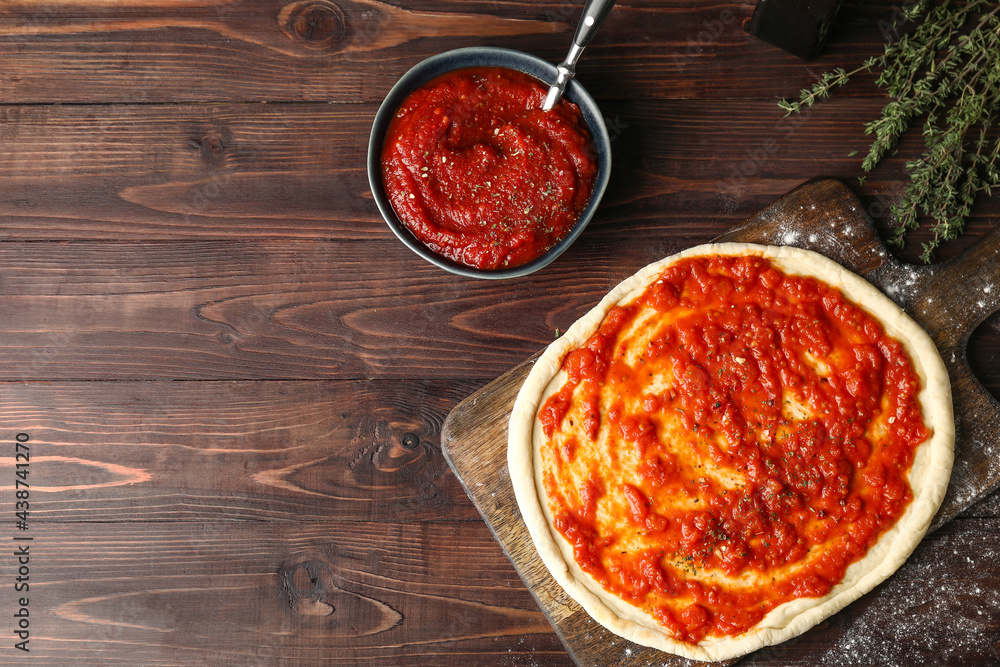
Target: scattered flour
x,y
965,614
950,584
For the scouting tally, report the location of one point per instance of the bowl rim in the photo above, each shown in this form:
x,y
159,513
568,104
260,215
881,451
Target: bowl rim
x,y
486,56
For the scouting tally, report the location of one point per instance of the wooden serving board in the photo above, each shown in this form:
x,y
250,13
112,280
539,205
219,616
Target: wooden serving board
x,y
948,300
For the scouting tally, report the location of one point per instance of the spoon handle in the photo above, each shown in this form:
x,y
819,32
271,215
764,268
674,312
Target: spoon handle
x,y
594,13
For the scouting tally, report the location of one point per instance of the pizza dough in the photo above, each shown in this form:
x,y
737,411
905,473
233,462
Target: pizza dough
x,y
928,476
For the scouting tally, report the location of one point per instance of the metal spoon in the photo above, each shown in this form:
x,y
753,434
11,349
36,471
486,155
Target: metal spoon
x,y
594,13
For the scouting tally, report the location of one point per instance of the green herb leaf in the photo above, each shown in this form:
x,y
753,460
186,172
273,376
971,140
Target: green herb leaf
x,y
944,72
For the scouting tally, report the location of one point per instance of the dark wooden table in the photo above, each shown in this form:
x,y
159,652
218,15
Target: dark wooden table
x,y
232,378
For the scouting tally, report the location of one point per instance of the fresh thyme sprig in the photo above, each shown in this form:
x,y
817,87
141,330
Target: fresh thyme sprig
x,y
946,71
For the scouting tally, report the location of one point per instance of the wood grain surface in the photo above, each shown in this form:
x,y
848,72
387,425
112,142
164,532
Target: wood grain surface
x,y
234,379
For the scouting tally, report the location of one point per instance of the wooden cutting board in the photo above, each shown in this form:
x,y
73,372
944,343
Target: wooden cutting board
x,y
948,300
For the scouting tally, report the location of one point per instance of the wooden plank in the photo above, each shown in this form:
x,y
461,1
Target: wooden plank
x,y
350,50
682,168
272,593
286,310
189,171
234,451
271,310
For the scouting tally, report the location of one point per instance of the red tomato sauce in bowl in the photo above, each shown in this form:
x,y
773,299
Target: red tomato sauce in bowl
x,y
479,174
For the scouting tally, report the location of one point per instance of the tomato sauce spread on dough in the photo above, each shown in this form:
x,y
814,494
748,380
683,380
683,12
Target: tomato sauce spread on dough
x,y
480,174
731,440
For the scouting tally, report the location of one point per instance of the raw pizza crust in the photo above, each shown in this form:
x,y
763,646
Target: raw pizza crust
x,y
928,476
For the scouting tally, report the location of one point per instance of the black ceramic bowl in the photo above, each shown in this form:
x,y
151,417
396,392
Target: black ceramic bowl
x,y
485,57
